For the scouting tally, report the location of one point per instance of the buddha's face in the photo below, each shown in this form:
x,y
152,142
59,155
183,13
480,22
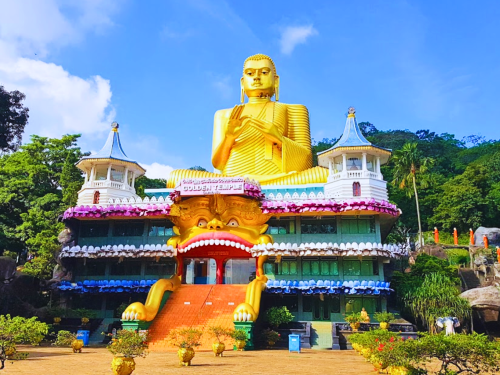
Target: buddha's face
x,y
258,78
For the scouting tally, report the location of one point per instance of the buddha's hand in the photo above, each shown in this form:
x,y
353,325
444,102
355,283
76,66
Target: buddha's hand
x,y
235,123
268,129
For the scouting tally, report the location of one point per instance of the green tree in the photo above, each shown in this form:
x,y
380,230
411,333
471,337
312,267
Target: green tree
x,y
37,184
18,330
409,166
144,182
13,119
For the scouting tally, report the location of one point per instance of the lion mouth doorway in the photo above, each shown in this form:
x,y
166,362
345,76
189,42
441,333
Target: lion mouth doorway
x,y
204,271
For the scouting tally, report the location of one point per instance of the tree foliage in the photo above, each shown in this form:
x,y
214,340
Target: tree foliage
x,y
144,182
18,330
13,119
37,184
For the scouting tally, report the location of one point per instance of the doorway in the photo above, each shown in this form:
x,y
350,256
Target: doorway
x,y
199,271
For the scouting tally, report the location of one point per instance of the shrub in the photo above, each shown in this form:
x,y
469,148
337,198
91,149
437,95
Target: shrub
x,y
353,318
239,335
129,344
384,317
458,256
83,313
277,316
268,335
220,333
19,330
185,337
64,338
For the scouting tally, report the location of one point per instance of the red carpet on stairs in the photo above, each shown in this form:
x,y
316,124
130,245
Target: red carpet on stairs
x,y
197,306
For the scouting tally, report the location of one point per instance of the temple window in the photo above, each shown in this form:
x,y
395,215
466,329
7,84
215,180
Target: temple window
x,y
318,226
363,268
117,174
101,172
284,225
161,269
355,225
97,195
160,229
128,229
317,267
354,164
356,189
94,229
131,267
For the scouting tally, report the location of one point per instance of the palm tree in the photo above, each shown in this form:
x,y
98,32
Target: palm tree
x,y
408,163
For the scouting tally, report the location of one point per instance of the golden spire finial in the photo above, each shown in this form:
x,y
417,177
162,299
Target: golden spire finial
x,y
114,126
351,112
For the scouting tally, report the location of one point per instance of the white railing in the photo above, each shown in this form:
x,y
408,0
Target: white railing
x,y
110,184
355,174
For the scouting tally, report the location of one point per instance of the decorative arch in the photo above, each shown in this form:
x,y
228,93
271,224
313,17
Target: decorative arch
x,y
356,189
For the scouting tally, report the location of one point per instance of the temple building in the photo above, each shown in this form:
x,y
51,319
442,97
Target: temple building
x,y
221,248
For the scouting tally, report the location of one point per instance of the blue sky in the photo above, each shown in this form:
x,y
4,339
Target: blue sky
x,y
162,68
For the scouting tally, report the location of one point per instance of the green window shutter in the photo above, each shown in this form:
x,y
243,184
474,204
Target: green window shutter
x,y
315,268
268,269
293,268
285,268
366,268
346,229
306,268
352,268
325,268
353,227
364,226
334,268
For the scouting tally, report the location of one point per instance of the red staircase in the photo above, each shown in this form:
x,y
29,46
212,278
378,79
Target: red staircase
x,y
197,306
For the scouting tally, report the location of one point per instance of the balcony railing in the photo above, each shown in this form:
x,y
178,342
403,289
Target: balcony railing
x,y
109,184
354,175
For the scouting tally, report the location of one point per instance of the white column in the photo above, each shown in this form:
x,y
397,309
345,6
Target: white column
x,y
133,179
125,179
330,166
92,174
344,163
363,162
378,166
108,177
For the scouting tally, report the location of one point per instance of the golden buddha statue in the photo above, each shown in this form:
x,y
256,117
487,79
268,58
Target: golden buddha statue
x,y
261,139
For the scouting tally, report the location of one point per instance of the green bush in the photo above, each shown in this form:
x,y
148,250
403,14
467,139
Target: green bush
x,y
18,330
185,337
277,316
219,333
64,338
384,317
268,335
129,344
458,256
83,313
239,335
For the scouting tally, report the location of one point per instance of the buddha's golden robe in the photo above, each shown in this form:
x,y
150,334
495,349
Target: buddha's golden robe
x,y
253,155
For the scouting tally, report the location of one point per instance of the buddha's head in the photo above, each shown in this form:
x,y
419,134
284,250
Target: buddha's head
x,y
259,77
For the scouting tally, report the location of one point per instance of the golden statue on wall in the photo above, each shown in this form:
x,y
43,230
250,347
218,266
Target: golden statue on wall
x,y
261,139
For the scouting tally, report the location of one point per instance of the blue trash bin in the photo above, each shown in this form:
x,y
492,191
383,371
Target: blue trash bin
x,y
294,343
83,335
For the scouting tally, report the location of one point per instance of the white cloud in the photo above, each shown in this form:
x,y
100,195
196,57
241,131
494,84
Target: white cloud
x,y
291,36
157,170
224,85
59,102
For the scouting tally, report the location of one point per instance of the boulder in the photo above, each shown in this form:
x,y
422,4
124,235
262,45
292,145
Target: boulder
x,y
7,269
483,298
493,235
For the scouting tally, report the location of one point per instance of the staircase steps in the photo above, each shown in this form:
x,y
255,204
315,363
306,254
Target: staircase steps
x,y
97,337
197,306
469,278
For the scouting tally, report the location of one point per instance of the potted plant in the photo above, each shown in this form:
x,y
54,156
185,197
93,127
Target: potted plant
x,y
56,313
185,339
240,338
125,347
270,336
384,318
354,320
84,314
220,334
66,338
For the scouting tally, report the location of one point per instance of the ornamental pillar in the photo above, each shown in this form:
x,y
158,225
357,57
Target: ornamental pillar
x,y
219,274
133,179
378,165
344,163
92,174
125,178
108,176
363,163
330,166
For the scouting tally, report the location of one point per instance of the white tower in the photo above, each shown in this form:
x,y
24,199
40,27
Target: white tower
x,y
354,165
109,173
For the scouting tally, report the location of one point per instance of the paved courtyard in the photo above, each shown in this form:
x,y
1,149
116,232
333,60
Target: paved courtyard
x,y
96,361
